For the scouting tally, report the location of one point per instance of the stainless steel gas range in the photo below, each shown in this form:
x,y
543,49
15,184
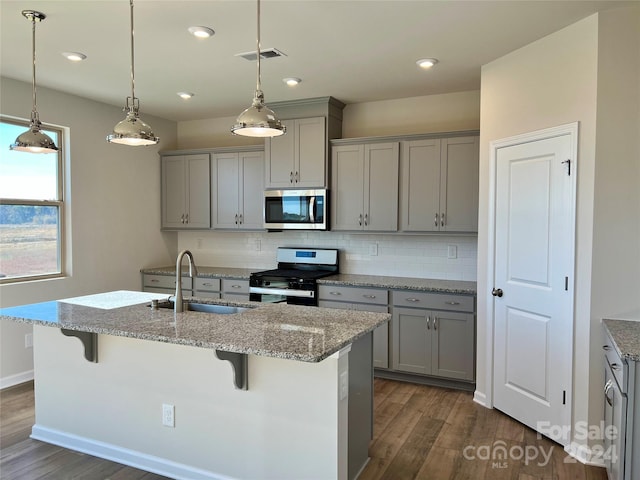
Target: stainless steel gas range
x,y
295,279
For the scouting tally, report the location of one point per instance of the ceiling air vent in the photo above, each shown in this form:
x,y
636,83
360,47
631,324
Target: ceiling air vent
x,y
264,54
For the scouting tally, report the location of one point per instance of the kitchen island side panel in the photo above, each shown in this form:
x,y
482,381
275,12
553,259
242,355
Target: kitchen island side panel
x,y
290,423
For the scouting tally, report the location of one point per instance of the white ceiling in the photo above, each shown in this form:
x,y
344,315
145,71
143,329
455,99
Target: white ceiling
x,y
356,51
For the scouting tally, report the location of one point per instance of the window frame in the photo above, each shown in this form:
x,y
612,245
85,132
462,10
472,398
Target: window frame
x,y
60,204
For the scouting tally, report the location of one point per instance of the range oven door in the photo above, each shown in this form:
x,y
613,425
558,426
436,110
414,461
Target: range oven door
x,y
278,291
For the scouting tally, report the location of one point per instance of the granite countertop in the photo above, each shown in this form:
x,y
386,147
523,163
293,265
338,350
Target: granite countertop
x,y
420,284
344,279
203,272
308,334
624,330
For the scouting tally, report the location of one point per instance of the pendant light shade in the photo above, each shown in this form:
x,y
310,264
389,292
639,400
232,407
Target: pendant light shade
x,y
34,140
132,130
258,120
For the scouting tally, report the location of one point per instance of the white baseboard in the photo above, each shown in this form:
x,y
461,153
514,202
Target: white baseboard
x,y
17,379
114,453
480,398
583,454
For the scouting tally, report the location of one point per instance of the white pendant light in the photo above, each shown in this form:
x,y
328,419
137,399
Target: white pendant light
x,y
132,130
258,120
34,140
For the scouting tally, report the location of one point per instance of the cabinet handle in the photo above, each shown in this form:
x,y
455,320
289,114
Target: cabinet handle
x,y
240,219
290,177
435,222
236,218
335,293
442,219
154,280
182,218
606,348
428,320
411,299
452,303
616,367
608,386
297,177
236,286
366,219
369,296
360,219
186,218
435,323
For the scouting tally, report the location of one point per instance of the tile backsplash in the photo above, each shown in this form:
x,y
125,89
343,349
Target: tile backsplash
x,y
421,256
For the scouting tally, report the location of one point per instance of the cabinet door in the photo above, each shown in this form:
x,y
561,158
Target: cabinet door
x,y
251,193
615,422
452,345
347,192
198,191
173,192
224,190
381,187
411,340
279,158
310,153
459,184
420,192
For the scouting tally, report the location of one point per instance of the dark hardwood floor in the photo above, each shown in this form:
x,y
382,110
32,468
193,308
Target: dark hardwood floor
x,y
420,432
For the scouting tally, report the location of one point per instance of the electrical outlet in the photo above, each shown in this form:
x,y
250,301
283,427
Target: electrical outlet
x,y
199,243
168,415
373,249
28,340
452,251
258,244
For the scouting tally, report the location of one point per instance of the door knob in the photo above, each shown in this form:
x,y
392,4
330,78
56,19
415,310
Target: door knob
x,y
496,292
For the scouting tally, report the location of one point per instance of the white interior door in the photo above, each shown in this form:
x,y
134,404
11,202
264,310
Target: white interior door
x,y
533,283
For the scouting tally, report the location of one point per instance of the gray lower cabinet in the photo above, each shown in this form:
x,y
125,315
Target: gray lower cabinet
x,y
361,299
235,289
621,443
429,338
206,287
165,284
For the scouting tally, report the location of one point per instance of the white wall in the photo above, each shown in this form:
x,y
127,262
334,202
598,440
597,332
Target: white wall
x,y
554,81
114,200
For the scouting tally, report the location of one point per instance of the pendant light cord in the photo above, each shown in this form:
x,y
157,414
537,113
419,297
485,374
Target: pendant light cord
x,y
34,112
133,80
258,82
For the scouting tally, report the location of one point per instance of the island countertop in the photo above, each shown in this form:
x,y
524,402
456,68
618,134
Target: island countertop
x,y
624,330
308,334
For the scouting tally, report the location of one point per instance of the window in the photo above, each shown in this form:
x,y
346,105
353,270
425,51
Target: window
x,y
31,208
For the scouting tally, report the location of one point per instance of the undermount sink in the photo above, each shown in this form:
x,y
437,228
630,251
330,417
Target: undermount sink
x,y
205,308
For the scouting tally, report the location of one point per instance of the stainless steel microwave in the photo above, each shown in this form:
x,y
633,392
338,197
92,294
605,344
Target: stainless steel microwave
x,y
296,209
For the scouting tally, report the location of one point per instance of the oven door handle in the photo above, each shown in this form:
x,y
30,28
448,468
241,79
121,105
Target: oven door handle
x,y
283,291
312,209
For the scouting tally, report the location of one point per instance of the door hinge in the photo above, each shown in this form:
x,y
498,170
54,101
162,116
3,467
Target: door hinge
x,y
564,397
566,284
568,162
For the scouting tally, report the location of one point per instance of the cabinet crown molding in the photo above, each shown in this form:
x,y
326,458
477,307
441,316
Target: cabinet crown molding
x,y
401,138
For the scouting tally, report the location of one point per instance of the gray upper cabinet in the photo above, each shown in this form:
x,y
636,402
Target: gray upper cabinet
x,y
185,191
236,190
364,187
439,190
297,159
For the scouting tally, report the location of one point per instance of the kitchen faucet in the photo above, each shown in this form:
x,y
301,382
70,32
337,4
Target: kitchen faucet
x,y
178,306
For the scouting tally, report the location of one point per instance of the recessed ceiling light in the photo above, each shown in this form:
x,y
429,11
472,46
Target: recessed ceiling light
x,y
427,62
292,81
201,32
185,95
74,56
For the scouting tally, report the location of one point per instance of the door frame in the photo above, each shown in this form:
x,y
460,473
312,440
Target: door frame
x,y
570,129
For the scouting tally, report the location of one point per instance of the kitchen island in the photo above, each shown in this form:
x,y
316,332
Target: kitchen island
x,y
306,369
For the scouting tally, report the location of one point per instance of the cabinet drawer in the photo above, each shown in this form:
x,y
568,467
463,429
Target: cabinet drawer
x,y
361,307
618,366
374,296
166,281
235,286
207,284
437,301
